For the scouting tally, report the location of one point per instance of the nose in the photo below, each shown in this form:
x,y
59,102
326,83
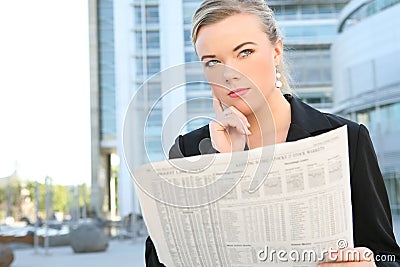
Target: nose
x,y
230,74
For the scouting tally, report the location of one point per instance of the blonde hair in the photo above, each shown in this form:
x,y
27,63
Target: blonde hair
x,y
213,11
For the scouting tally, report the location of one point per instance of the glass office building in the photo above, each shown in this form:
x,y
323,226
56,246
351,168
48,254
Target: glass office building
x,y
366,78
309,28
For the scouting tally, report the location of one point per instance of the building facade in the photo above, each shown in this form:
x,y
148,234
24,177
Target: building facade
x,y
309,28
365,57
103,106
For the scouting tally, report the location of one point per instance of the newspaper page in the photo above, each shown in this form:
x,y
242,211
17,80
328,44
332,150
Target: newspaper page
x,y
284,205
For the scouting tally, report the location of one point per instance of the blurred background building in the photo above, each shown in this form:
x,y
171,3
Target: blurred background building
x,y
309,28
366,78
103,106
131,40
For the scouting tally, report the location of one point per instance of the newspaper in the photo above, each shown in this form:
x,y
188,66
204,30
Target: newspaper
x,y
298,210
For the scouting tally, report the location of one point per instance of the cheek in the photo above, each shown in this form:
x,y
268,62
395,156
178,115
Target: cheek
x,y
219,91
264,75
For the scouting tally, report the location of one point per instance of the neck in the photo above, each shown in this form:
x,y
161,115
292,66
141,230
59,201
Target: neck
x,y
270,124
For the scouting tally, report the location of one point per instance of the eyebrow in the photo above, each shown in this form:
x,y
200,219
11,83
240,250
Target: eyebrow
x,y
235,49
207,56
242,44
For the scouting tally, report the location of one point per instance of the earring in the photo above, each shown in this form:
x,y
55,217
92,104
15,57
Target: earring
x,y
278,83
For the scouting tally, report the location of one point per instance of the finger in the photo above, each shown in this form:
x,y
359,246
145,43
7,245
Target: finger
x,y
347,264
217,105
240,115
235,122
216,125
351,255
225,124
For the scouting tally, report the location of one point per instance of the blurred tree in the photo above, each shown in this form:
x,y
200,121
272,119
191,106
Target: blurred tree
x,y
60,195
61,198
2,195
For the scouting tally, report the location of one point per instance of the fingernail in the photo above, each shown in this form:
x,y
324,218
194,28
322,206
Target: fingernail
x,y
248,124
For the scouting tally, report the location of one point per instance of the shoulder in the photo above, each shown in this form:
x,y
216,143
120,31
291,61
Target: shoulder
x,y
359,140
337,121
355,131
193,143
315,122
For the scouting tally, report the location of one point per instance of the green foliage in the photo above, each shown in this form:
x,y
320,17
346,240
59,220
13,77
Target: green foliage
x,y
12,190
3,195
61,197
31,186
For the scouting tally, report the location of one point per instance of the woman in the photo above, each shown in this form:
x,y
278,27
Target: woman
x,y
241,49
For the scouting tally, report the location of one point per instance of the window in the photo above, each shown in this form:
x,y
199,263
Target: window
x,y
309,10
190,56
153,65
154,118
153,39
197,87
139,66
188,11
152,14
364,117
389,118
138,40
310,30
138,16
364,11
188,37
154,147
326,8
289,11
310,67
153,92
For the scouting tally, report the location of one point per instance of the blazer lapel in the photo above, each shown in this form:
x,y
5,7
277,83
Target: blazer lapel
x,y
305,120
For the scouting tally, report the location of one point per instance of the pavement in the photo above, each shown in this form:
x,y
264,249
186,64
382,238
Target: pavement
x,y
119,253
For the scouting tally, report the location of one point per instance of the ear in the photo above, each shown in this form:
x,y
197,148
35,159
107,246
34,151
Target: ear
x,y
278,51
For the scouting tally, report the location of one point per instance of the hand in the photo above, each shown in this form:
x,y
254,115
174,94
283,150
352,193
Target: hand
x,y
229,129
349,257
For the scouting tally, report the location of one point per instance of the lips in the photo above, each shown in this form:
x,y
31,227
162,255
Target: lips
x,y
239,92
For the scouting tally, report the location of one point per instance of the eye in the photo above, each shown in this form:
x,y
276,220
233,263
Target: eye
x,y
211,63
246,52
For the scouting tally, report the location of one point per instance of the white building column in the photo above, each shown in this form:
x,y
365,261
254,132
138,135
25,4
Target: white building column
x,y
172,52
124,48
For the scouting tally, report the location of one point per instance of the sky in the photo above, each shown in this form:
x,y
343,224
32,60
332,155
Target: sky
x,y
45,90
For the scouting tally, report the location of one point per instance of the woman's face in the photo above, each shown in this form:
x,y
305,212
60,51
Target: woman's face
x,y
239,61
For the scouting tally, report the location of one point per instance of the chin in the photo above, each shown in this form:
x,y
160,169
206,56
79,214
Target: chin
x,y
243,108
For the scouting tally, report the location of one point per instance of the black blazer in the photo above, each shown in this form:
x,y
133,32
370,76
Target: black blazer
x,y
372,220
